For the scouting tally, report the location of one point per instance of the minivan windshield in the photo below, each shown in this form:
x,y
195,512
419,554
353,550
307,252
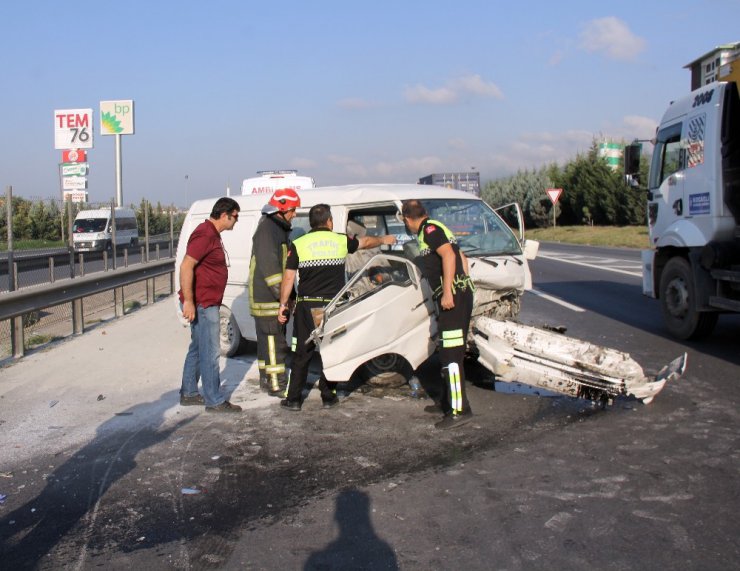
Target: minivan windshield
x,y
89,225
478,229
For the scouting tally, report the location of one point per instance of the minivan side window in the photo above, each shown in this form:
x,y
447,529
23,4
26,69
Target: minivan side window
x,y
666,155
300,226
126,224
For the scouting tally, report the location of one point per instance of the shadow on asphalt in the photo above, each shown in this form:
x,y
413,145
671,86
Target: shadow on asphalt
x,y
73,490
357,546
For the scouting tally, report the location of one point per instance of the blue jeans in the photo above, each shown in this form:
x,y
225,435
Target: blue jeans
x,y
202,358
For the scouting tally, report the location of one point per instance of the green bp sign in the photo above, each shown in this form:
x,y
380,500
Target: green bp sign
x,y
117,117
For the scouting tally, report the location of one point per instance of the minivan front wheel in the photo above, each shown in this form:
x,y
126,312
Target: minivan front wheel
x,y
388,371
230,337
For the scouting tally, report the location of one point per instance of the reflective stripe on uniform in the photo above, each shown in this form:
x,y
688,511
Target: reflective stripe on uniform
x,y
271,367
274,279
265,309
452,338
453,374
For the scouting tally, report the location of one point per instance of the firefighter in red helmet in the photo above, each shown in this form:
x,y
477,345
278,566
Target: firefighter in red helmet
x,y
269,251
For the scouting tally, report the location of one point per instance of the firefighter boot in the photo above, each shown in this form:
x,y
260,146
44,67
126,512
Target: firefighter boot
x,y
278,387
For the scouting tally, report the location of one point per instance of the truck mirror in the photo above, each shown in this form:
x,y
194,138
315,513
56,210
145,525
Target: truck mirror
x,y
632,159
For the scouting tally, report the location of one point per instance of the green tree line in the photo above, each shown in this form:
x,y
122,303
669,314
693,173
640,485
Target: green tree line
x,y
593,193
34,219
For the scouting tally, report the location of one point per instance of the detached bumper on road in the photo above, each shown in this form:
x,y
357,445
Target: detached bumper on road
x,y
561,364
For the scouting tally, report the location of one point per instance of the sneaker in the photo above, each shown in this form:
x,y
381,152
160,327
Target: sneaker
x,y
292,405
433,408
331,403
195,400
454,420
225,406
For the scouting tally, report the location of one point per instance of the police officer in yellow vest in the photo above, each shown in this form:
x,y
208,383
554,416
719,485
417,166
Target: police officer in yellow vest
x,y
445,267
318,258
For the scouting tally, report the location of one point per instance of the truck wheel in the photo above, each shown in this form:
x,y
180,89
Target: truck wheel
x,y
230,337
388,371
678,298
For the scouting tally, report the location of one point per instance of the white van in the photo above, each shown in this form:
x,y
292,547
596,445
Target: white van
x,y
497,262
92,230
269,181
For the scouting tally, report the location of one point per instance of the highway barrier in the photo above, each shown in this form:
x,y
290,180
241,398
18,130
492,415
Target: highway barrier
x,y
40,310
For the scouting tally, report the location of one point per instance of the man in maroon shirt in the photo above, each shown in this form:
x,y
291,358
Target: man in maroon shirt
x,y
203,275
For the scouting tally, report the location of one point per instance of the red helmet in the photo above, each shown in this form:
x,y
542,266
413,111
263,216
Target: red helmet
x,y
285,199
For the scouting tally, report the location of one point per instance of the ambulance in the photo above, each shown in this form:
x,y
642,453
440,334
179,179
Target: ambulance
x,y
267,182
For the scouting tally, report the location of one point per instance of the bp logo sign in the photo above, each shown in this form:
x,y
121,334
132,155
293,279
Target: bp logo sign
x,y
117,117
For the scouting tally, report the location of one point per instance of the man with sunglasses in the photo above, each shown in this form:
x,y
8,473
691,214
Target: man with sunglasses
x,y
269,252
203,276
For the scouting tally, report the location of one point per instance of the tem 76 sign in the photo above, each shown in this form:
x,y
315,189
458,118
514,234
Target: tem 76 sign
x,y
73,129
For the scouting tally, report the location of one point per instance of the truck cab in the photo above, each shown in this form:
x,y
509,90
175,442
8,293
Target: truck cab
x,y
693,209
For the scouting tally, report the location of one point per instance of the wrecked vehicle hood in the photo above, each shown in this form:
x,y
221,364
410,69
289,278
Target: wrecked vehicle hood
x,y
386,308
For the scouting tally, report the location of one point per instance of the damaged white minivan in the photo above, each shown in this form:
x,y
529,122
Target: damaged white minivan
x,y
381,324
498,263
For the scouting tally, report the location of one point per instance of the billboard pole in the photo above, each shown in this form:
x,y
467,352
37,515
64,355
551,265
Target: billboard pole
x,y
61,195
119,175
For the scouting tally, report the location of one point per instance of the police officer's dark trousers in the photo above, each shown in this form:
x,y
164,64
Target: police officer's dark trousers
x,y
302,327
272,351
452,326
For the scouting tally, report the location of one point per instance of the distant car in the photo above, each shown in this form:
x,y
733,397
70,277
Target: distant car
x,y
92,230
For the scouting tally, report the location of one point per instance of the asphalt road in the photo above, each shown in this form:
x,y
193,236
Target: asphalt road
x,y
99,460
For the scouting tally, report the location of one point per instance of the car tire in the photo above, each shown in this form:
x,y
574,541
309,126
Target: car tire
x,y
387,371
230,338
678,300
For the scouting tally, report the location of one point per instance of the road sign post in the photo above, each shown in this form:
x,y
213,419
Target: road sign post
x,y
554,194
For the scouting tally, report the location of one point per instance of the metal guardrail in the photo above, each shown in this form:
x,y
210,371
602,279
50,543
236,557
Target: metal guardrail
x,y
13,305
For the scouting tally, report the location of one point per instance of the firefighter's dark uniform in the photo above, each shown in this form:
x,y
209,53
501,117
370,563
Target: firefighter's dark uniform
x,y
318,257
452,324
269,253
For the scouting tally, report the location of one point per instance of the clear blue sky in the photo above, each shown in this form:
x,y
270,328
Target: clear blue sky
x,y
344,91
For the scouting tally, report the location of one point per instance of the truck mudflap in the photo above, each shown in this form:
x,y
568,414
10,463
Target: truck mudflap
x,y
521,353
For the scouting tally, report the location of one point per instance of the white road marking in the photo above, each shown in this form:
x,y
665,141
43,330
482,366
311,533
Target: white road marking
x,y
556,300
593,266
